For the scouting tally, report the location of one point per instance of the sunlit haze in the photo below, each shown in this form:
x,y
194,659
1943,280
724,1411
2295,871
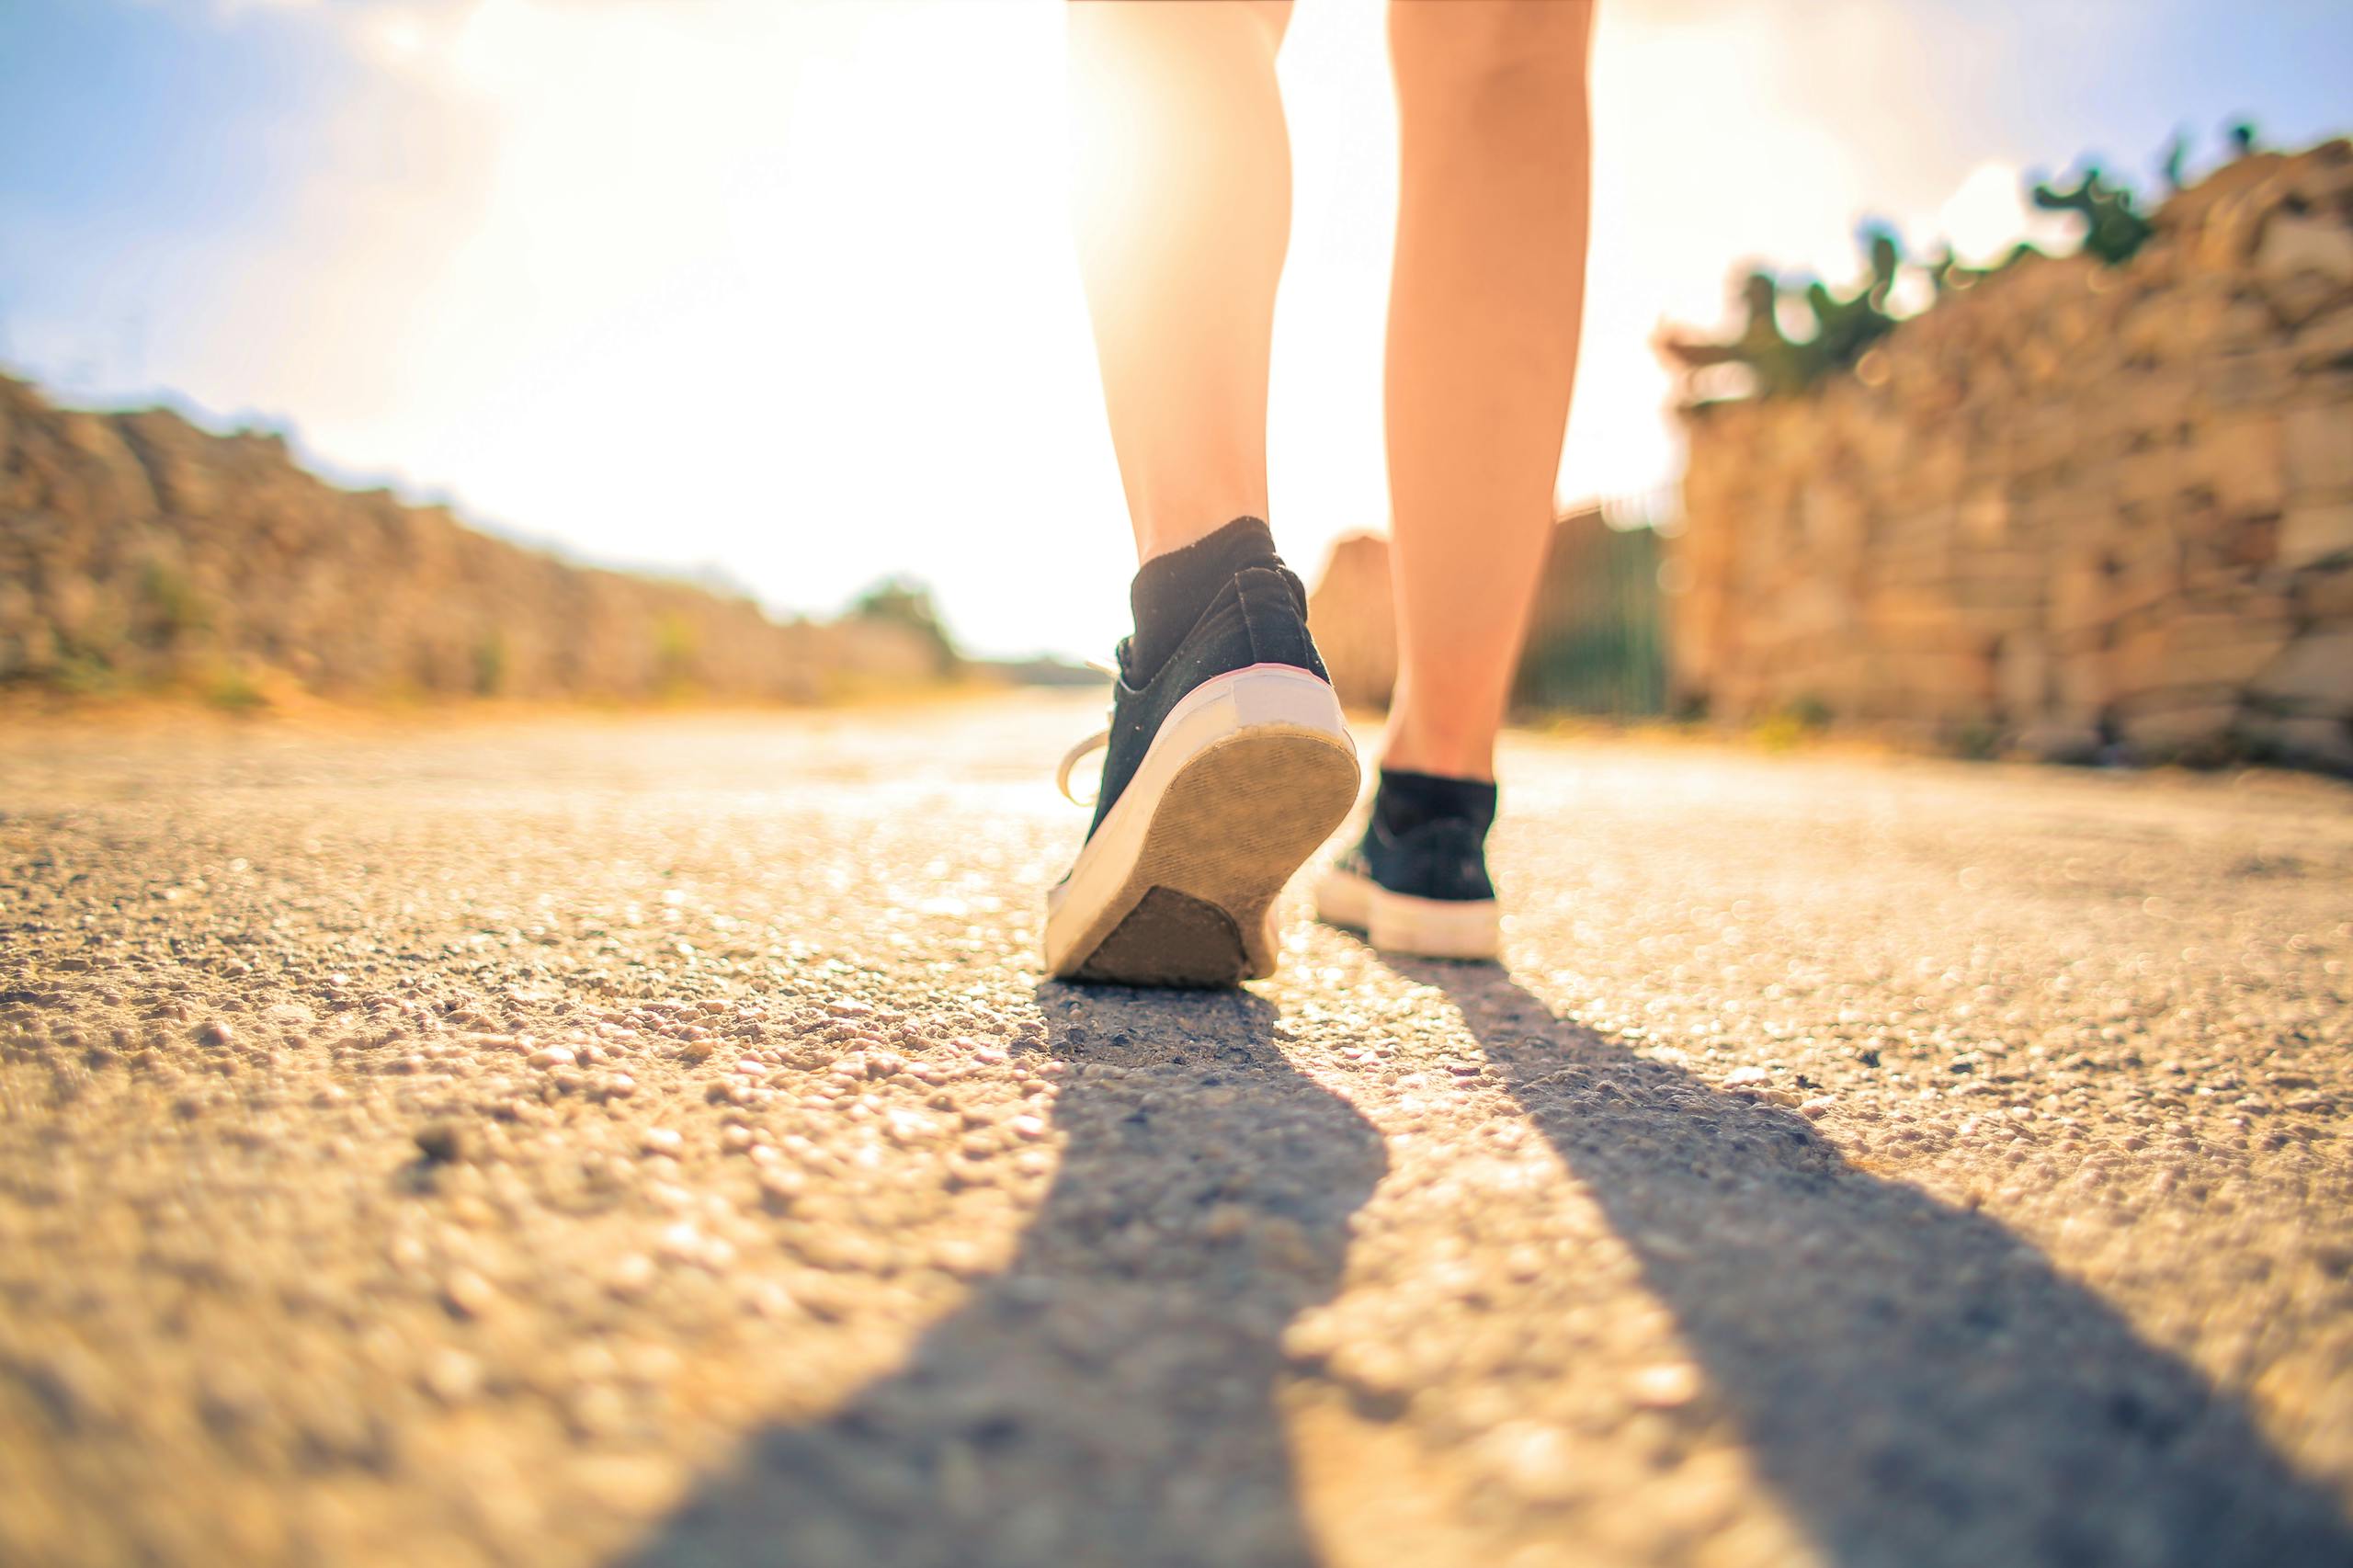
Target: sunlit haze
x,y
787,291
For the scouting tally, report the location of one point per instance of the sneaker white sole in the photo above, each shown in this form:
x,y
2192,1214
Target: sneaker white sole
x,y
1250,773
1399,923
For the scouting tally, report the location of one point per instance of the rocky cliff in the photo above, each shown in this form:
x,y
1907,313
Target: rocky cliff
x,y
137,550
2074,509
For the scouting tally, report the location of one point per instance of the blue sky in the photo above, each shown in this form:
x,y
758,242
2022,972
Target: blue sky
x,y
785,290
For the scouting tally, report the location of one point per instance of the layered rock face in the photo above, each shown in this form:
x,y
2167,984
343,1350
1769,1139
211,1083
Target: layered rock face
x,y
137,550
2073,510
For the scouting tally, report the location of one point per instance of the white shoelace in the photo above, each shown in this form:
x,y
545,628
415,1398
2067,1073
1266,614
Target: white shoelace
x,y
1070,759
1093,743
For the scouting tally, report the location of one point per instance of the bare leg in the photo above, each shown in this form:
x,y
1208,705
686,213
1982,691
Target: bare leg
x,y
1483,311
1180,193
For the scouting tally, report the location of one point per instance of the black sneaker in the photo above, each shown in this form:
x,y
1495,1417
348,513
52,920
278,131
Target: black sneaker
x,y
1222,773
1416,882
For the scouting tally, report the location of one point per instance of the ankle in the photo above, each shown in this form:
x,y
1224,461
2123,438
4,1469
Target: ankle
x,y
1171,591
1440,738
1158,537
1469,757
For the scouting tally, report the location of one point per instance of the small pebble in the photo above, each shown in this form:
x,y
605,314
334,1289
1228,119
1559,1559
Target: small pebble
x,y
467,1294
780,1188
595,1409
1536,1461
1225,1221
662,1140
631,1275
1666,1385
451,1376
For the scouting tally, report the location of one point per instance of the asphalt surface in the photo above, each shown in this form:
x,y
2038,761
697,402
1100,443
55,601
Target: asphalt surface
x,y
649,1141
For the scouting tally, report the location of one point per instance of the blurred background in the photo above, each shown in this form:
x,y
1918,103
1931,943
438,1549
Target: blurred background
x,y
778,299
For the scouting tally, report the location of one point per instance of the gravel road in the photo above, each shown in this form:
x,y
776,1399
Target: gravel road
x,y
650,1140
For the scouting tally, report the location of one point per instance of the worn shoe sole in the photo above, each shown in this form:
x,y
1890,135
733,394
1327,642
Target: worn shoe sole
x,y
1250,773
1399,922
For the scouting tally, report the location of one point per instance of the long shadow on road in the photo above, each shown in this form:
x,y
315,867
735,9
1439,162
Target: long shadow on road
x,y
1919,1384
1110,1398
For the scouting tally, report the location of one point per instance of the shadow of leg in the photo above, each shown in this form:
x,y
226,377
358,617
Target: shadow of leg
x,y
1110,1398
1919,1384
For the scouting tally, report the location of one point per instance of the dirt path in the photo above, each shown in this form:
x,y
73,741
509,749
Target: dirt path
x,y
650,1140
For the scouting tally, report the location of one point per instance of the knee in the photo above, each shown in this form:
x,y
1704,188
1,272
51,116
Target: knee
x,y
1490,46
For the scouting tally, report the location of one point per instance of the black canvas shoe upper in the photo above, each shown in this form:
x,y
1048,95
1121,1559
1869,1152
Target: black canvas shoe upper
x,y
1172,589
1427,838
1259,617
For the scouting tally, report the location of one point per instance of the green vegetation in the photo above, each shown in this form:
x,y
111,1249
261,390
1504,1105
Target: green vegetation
x,y
173,610
1978,741
85,671
1811,712
490,664
1787,728
2113,227
1846,326
903,601
232,690
673,655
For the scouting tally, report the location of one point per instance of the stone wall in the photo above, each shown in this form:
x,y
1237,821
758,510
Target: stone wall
x,y
138,550
2073,511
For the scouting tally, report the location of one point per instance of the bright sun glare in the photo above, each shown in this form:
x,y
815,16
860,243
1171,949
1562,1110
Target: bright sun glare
x,y
788,289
